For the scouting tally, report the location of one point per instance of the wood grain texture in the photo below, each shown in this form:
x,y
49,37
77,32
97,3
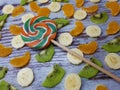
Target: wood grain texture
x,y
41,70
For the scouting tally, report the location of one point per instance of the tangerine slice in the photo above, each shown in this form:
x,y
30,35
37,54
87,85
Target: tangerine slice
x,y
78,29
34,6
113,28
18,10
91,9
20,61
89,48
68,10
113,7
43,12
15,29
101,87
79,3
5,51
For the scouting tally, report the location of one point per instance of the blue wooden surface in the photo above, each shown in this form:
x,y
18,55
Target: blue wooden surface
x,y
41,70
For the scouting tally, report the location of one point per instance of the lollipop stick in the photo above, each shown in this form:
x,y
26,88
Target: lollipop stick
x,y
87,61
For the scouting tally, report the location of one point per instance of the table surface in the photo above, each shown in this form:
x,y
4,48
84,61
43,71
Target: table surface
x,y
42,69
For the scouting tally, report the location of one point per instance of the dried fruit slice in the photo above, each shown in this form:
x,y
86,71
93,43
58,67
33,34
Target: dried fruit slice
x,y
34,6
101,87
20,61
3,19
26,17
89,71
43,12
113,46
79,3
95,1
15,29
24,2
18,10
61,22
113,7
6,86
89,48
91,9
54,6
78,29
3,71
99,18
54,77
5,51
45,55
113,28
43,1
68,10
8,9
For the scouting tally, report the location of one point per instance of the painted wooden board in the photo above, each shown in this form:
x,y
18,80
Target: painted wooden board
x,y
42,69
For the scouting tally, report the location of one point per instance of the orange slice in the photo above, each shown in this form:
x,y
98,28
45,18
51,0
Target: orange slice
x,y
78,29
15,29
20,61
114,7
89,48
68,10
43,12
79,3
34,6
101,87
113,28
5,51
18,10
91,9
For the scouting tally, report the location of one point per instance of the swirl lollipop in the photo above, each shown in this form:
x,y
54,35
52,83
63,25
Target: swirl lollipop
x,y
38,32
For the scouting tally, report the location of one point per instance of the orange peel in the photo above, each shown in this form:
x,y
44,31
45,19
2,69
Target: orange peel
x,y
15,29
34,6
79,3
101,87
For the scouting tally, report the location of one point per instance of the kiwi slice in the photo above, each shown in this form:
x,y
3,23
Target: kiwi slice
x,y
3,71
61,22
6,86
99,18
45,55
24,2
3,19
112,46
89,71
54,77
60,0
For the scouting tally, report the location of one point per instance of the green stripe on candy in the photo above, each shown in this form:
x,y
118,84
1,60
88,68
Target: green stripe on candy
x,y
54,29
40,19
26,25
25,39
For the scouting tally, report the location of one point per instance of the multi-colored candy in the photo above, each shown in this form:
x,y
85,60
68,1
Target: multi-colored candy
x,y
38,31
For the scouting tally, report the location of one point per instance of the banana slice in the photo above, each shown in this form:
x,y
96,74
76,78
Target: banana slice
x,y
95,1
73,59
26,17
93,31
17,42
72,82
80,14
7,9
65,39
113,60
43,1
25,77
54,6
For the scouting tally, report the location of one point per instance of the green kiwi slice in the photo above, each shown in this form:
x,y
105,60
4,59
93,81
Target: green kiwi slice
x,y
6,86
3,71
61,22
89,71
60,0
24,2
54,77
99,18
3,19
46,55
112,46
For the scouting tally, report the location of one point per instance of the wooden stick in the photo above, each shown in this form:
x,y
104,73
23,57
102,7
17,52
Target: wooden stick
x,y
87,61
